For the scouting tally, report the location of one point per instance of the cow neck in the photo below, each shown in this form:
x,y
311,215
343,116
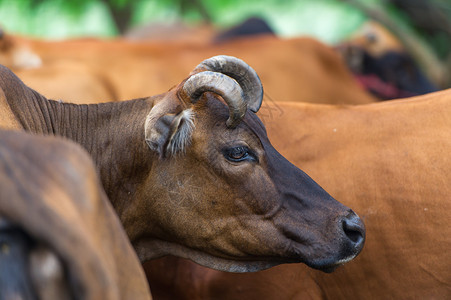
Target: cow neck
x,y
113,133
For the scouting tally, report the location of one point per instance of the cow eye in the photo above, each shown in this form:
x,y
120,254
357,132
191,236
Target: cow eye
x,y
239,153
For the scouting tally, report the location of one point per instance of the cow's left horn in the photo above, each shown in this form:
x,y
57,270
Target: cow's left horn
x,y
241,72
221,84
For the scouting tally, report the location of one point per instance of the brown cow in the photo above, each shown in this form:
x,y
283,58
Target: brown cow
x,y
70,80
391,162
300,69
59,235
193,176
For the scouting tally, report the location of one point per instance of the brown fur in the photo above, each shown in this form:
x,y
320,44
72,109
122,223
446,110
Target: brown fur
x,y
49,189
69,80
391,162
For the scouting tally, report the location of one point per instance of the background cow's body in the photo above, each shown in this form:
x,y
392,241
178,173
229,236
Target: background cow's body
x,y
70,80
391,161
52,199
301,69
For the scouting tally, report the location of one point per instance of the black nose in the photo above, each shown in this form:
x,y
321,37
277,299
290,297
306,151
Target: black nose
x,y
354,229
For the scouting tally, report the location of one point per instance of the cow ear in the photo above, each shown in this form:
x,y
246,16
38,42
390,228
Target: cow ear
x,y
171,133
181,132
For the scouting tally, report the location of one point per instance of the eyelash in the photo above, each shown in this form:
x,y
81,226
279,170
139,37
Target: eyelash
x,y
238,154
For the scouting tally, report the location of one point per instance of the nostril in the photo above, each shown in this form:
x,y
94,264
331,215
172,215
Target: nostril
x,y
353,235
354,229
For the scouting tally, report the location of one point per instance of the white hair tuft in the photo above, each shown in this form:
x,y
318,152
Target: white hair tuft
x,y
181,132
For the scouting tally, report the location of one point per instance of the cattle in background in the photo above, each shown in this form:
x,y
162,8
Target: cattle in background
x,y
196,177
381,64
391,162
300,69
70,80
59,235
16,54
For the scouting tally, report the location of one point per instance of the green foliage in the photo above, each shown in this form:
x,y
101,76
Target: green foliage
x,y
100,17
56,18
328,20
69,7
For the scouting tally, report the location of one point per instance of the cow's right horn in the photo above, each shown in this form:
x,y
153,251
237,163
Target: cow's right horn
x,y
220,84
241,72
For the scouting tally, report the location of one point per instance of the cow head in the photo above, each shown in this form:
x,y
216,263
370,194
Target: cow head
x,y
226,198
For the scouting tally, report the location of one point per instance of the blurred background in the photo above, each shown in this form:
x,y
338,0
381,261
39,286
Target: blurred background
x,y
422,28
328,20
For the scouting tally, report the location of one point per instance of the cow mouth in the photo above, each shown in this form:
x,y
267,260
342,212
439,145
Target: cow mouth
x,y
331,253
329,261
328,266
152,249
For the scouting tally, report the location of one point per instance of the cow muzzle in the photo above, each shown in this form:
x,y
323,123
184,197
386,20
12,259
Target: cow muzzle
x,y
352,240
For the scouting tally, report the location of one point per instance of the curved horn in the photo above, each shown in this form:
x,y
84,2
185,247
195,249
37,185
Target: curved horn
x,y
241,72
222,85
